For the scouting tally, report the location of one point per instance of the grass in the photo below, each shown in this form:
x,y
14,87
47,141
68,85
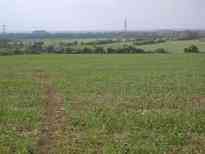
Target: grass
x,y
19,110
170,46
114,103
176,46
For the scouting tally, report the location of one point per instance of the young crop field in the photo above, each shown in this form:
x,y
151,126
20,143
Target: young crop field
x,y
104,104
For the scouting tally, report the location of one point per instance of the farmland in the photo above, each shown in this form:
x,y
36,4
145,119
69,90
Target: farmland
x,y
102,77
170,46
97,46
108,104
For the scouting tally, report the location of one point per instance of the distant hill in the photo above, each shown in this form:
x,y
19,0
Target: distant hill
x,y
167,34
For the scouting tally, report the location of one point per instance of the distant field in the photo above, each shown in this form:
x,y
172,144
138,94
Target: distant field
x,y
104,103
171,46
53,41
177,46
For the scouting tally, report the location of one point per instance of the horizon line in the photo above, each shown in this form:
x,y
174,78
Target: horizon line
x,y
104,31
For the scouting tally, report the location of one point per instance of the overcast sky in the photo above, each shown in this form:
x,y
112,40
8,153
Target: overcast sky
x,y
68,15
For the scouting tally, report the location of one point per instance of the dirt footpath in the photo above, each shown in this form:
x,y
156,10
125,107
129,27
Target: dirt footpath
x,y
52,129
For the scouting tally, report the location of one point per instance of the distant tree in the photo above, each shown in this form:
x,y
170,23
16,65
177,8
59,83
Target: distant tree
x,y
160,50
4,43
37,47
139,50
99,50
18,51
5,52
69,50
87,50
82,43
111,50
192,49
75,43
50,49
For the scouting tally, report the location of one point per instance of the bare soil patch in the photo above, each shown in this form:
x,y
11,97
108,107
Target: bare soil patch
x,y
199,99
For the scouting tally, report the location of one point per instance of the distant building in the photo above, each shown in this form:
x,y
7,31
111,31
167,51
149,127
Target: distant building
x,y
40,32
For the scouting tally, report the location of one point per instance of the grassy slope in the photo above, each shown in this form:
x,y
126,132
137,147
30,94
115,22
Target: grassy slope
x,y
171,46
176,46
114,103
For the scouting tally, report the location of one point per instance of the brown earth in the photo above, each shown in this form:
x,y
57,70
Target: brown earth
x,y
52,129
198,99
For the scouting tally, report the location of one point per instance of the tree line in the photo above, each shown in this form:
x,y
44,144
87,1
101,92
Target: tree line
x,y
168,34
10,47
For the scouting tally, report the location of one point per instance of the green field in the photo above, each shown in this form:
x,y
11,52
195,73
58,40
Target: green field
x,y
176,46
114,104
170,46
